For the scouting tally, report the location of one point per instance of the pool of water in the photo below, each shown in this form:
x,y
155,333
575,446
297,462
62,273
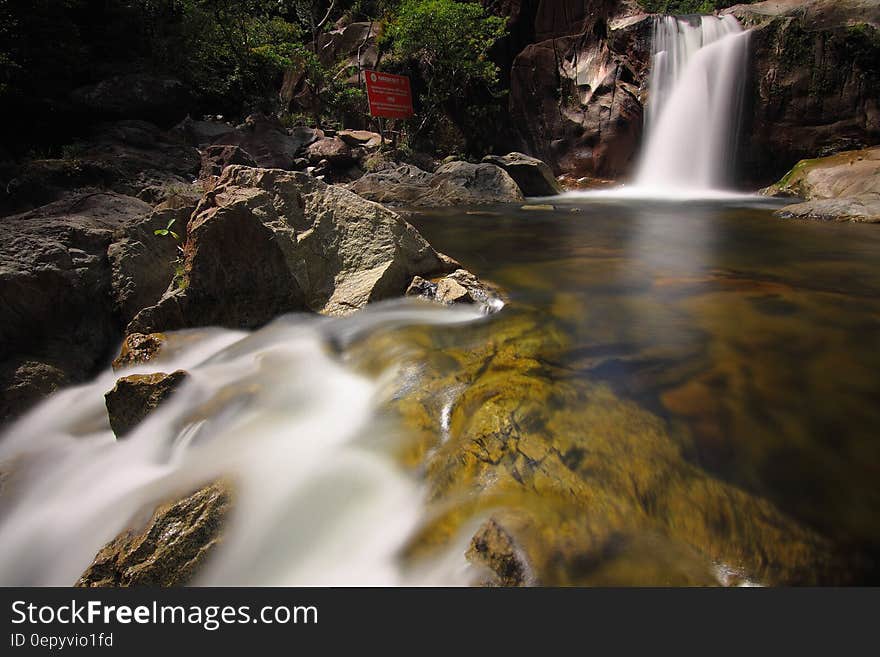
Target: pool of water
x,y
758,338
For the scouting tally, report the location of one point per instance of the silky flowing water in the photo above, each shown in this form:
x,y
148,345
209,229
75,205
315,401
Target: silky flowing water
x,y
674,393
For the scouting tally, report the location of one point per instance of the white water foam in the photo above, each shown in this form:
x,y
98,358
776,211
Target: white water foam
x,y
318,497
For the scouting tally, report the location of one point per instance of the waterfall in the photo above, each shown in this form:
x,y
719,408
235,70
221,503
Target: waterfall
x,y
318,496
693,115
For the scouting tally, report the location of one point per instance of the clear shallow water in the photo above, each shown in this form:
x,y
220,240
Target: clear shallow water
x,y
760,336
662,371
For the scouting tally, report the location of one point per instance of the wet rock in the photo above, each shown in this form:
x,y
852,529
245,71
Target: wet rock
x,y
56,301
460,286
176,542
533,176
587,488
138,348
136,396
495,549
136,96
453,183
217,157
864,209
264,242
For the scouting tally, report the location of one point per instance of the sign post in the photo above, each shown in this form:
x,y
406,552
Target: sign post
x,y
389,97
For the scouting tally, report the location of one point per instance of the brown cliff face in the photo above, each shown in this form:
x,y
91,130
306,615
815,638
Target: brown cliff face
x,y
577,86
575,100
815,82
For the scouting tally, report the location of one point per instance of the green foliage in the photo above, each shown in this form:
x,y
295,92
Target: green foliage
x,y
162,232
446,43
681,7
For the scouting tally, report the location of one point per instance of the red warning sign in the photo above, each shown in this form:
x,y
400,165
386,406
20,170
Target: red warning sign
x,y
389,95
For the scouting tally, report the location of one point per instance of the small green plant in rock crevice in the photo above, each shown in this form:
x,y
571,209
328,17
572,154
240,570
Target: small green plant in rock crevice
x,y
163,232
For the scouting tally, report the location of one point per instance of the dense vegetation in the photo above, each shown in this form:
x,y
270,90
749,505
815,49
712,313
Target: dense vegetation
x,y
690,6
233,54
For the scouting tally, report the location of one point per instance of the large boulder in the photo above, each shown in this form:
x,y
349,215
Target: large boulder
x,y
533,176
333,149
846,174
841,187
175,543
453,183
58,319
814,81
268,142
143,263
265,242
161,100
134,158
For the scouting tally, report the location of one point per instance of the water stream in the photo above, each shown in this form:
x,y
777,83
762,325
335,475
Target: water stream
x,y
707,339
695,101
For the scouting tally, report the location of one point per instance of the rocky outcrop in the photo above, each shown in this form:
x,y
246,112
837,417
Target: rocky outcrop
x,y
453,183
533,176
135,158
847,174
842,187
136,96
143,263
136,396
814,81
57,314
861,210
575,99
177,540
265,242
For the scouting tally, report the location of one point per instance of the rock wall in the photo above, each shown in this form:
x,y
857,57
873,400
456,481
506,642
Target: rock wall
x,y
815,82
578,84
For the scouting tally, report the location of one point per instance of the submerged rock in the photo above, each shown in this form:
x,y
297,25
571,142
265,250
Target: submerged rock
x,y
453,183
532,175
265,242
136,396
583,487
177,540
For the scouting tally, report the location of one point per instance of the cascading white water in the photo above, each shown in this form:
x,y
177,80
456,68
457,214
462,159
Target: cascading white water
x,y
318,498
693,115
